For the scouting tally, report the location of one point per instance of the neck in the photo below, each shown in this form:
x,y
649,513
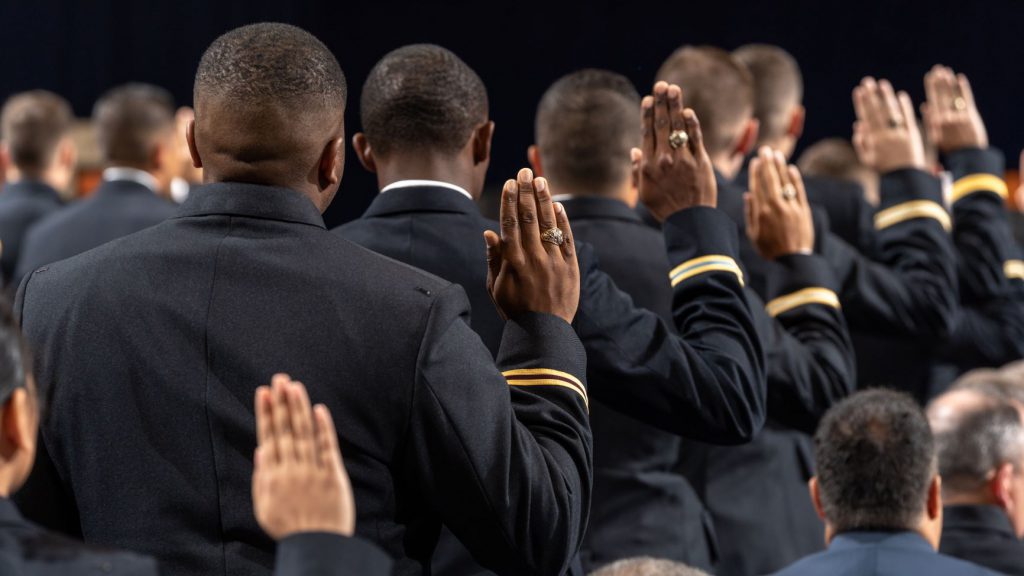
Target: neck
x,y
783,144
625,193
453,170
979,499
727,164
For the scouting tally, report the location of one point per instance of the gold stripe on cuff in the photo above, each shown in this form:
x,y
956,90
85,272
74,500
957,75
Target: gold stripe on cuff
x,y
1014,269
979,183
816,295
704,264
911,210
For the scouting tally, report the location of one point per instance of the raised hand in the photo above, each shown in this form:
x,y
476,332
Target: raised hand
x,y
778,215
675,171
950,115
887,127
299,483
532,267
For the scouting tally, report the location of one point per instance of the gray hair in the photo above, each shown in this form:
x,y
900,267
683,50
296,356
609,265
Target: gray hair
x,y
977,442
647,566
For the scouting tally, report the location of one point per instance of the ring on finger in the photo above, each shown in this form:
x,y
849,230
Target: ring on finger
x,y
959,103
678,138
895,123
788,192
553,236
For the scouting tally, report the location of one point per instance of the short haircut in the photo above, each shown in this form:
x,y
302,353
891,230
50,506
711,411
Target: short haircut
x,y
1000,384
875,458
717,86
421,98
646,566
978,441
778,86
586,125
130,120
32,125
266,64
15,361
831,158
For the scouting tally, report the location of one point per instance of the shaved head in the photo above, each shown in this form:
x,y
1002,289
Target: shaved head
x,y
778,86
268,97
719,89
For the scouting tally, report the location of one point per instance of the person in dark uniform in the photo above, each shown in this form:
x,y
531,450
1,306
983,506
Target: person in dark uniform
x,y
980,443
40,161
163,336
138,143
642,506
292,495
778,109
836,158
427,137
912,290
879,492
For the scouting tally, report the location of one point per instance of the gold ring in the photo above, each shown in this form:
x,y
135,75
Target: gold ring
x,y
678,138
895,123
788,192
553,236
959,103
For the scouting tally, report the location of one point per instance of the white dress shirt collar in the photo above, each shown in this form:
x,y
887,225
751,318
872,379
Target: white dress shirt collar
x,y
434,183
131,174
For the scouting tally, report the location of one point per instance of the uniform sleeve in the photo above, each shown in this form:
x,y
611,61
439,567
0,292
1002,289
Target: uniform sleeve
x,y
322,554
504,456
910,287
990,327
808,352
707,382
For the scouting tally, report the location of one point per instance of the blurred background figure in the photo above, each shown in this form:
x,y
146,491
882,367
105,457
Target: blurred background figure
x,y
39,155
647,567
836,158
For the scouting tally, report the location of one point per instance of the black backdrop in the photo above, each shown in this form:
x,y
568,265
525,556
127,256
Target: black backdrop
x,y
79,48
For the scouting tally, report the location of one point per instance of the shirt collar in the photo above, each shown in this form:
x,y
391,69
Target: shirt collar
x,y
131,174
421,183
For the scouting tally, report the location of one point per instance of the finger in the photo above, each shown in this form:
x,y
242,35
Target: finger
x,y
693,129
265,421
675,113
327,451
892,107
749,213
529,232
873,106
511,244
798,182
545,212
931,89
647,122
569,246
662,124
282,421
907,111
945,88
493,243
770,182
780,168
301,415
860,104
965,90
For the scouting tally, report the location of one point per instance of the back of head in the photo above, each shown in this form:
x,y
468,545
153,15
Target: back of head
x,y
1000,384
131,120
577,152
268,98
645,566
421,98
875,460
831,158
974,440
778,86
718,88
33,124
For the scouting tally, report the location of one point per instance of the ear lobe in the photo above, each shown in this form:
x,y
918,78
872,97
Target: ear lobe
x,y
482,143
748,138
533,156
1001,486
363,152
796,122
332,161
814,489
935,498
193,151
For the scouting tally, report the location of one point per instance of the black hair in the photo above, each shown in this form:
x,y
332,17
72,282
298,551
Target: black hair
x,y
421,97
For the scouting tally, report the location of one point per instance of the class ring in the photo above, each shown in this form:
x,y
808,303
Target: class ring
x,y
678,138
553,236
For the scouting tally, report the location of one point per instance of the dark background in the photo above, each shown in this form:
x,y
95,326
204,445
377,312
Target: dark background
x,y
81,48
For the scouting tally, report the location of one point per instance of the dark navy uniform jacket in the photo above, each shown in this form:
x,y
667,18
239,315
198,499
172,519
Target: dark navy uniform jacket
x,y
707,384
155,343
913,291
22,204
29,550
882,554
983,535
116,209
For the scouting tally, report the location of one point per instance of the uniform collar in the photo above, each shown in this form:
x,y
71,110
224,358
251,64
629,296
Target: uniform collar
x,y
9,512
251,200
580,207
116,173
425,184
430,197
978,517
904,540
31,189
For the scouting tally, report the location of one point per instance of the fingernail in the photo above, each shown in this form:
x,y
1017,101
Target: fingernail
x,y
558,208
526,175
541,184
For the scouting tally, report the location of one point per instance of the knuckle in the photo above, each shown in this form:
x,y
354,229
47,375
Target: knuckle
x,y
527,217
509,222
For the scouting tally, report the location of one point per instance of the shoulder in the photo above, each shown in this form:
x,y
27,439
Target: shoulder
x,y
41,552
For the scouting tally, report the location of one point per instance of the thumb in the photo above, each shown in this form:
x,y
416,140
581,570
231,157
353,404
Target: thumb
x,y
494,260
748,211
